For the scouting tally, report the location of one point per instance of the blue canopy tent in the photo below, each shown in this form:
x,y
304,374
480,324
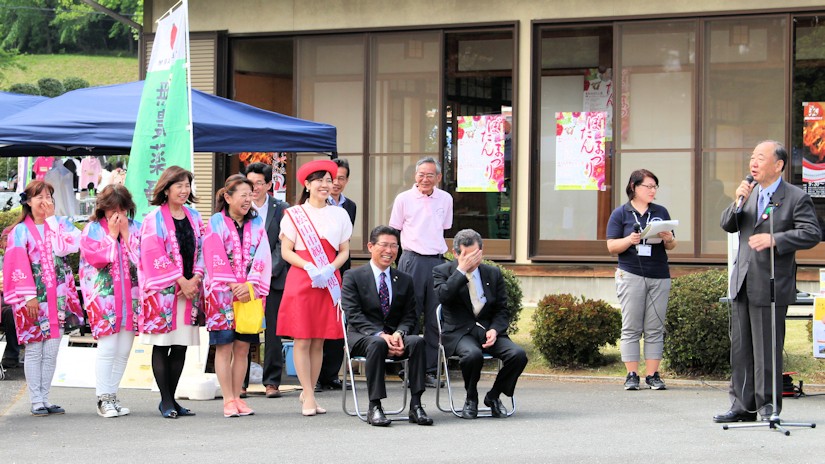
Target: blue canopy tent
x,y
11,103
101,120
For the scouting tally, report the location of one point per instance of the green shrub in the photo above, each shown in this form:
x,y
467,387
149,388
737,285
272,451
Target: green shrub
x,y
25,89
50,87
514,293
74,83
569,331
697,340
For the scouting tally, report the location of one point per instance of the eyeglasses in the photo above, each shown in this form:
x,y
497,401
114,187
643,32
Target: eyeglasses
x,y
391,246
341,179
421,175
650,187
260,183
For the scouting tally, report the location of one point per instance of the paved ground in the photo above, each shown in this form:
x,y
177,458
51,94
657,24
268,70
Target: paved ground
x,y
559,420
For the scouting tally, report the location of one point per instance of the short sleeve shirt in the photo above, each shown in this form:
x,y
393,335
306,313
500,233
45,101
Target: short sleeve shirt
x,y
331,223
621,225
422,220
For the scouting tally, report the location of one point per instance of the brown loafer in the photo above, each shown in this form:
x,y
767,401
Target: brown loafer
x,y
272,391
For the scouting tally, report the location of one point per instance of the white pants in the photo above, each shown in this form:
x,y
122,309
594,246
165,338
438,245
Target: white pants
x,y
40,363
112,355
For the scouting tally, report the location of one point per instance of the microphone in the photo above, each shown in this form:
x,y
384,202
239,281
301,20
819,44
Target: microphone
x,y
741,199
637,228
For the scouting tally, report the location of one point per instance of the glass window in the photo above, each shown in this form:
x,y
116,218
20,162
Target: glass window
x,y
331,86
744,84
478,82
656,126
657,62
806,152
568,57
405,93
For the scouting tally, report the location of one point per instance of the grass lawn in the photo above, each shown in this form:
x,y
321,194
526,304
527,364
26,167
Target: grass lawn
x,y
798,355
98,70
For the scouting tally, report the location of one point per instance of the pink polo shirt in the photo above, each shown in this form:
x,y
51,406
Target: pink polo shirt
x,y
422,220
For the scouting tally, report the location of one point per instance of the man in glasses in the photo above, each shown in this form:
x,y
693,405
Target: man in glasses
x,y
422,214
271,210
381,310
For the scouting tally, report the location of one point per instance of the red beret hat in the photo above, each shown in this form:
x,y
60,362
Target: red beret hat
x,y
315,166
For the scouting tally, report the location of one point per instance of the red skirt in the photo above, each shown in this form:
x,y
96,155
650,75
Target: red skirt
x,y
307,312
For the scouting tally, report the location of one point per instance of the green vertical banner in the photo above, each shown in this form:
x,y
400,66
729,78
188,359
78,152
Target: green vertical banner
x,y
163,132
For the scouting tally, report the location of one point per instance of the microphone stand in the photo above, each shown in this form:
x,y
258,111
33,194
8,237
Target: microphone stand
x,y
774,422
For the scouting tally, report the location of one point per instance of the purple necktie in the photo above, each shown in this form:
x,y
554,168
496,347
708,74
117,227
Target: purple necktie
x,y
384,295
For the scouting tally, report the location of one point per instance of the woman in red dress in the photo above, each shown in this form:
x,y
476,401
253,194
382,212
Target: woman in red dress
x,y
315,241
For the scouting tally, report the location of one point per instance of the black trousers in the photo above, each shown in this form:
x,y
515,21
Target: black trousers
x,y
333,351
12,351
421,269
375,350
471,360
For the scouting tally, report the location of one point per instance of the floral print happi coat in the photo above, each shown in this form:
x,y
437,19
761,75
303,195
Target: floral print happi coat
x,y
108,278
23,279
221,247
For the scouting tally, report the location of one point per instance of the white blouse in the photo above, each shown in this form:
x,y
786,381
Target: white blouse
x,y
331,222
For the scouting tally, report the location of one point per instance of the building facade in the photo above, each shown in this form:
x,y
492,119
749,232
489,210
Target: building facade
x,y
694,87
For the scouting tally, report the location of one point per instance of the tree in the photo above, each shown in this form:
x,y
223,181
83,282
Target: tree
x,y
24,25
38,26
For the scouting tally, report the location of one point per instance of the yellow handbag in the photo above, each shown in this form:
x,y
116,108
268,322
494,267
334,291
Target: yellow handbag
x,y
249,316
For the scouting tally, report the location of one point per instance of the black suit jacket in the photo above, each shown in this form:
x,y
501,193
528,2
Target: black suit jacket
x,y
359,299
350,207
272,225
795,227
457,314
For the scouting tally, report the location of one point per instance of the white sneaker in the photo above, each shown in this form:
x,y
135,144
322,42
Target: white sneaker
x,y
106,407
121,410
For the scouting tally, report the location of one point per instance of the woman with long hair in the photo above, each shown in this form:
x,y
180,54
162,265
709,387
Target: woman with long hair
x,y
39,284
170,274
642,278
109,254
315,241
238,253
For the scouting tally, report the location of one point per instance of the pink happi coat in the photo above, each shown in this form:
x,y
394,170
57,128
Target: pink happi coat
x,y
108,278
228,259
36,266
159,268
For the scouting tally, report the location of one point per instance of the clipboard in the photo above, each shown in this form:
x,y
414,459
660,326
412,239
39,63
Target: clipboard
x,y
652,230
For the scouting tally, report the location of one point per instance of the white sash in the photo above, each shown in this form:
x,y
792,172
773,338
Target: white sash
x,y
312,242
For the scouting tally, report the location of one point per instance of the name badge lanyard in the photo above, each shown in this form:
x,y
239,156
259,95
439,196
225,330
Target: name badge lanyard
x,y
636,218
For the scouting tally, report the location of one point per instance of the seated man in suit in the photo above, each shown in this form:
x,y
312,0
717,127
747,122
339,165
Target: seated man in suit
x,y
475,320
380,305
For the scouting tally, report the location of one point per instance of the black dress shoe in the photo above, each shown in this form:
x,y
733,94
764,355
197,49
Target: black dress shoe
x,y
731,416
431,382
418,416
470,410
496,408
376,417
335,384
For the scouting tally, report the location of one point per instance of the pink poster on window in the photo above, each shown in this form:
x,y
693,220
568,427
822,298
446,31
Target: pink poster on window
x,y
480,156
580,150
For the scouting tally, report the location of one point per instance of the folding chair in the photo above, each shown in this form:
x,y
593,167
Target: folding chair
x,y
443,368
349,373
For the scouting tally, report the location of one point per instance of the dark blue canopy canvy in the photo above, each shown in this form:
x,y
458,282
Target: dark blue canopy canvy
x,y
11,103
102,121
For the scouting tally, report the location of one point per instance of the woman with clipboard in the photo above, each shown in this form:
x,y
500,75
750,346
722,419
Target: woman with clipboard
x,y
642,278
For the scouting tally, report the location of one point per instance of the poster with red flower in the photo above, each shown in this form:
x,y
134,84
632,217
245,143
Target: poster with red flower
x,y
580,138
480,156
